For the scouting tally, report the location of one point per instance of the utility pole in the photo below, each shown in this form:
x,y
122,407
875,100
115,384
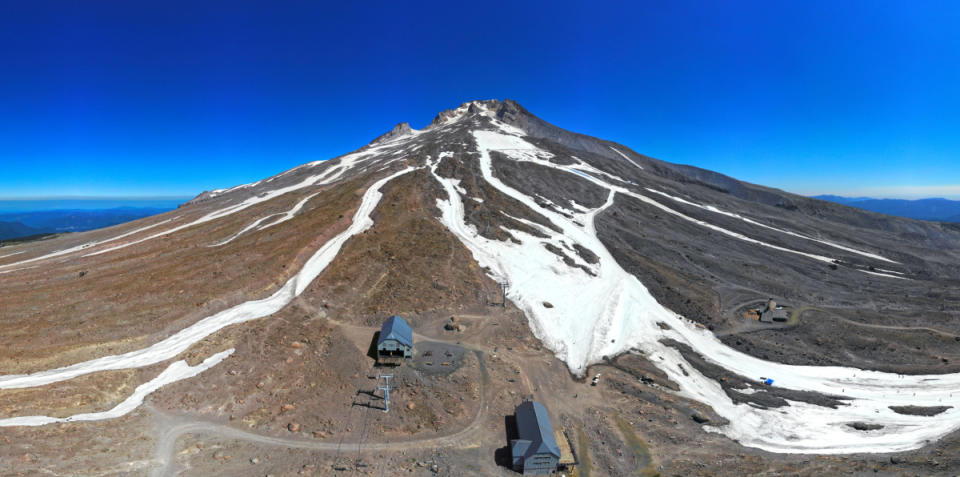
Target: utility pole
x,y
386,390
503,293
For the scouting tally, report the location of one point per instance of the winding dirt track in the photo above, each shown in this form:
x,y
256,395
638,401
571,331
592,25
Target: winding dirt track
x,y
173,426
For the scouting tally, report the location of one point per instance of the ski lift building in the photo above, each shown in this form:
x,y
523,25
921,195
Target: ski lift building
x,y
395,342
535,451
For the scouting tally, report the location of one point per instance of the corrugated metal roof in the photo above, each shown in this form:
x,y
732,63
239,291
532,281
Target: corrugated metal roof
x,y
396,328
533,424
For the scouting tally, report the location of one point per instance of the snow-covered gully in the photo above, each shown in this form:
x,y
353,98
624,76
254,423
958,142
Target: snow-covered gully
x,y
612,312
246,311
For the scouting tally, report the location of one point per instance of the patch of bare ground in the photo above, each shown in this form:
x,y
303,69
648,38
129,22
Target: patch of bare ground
x,y
920,410
122,446
823,337
406,264
95,392
296,375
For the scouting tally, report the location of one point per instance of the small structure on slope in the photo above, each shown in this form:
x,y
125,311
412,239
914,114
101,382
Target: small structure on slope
x,y
535,450
773,313
395,342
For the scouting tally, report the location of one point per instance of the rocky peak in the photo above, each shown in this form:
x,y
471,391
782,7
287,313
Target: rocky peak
x,y
507,111
401,129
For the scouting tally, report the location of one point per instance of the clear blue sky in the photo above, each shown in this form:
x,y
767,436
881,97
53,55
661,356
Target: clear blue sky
x,y
113,98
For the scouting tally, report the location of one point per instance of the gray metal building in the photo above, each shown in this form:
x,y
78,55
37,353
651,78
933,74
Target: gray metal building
x,y
535,451
773,313
396,340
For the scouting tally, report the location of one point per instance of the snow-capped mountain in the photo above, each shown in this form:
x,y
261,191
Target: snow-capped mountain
x,y
605,251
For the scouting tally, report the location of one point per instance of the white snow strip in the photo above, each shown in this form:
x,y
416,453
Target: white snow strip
x,y
177,371
292,212
520,150
332,174
255,225
722,230
16,270
613,312
890,271
625,157
11,254
246,311
883,274
86,245
758,224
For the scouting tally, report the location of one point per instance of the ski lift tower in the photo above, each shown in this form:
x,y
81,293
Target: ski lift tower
x,y
386,390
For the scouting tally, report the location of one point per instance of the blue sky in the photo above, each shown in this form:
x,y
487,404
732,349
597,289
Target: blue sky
x,y
172,98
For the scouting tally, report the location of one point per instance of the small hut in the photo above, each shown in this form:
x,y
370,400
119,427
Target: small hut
x,y
395,342
773,313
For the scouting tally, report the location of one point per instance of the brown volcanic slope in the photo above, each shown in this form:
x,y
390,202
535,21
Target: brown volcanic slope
x,y
295,374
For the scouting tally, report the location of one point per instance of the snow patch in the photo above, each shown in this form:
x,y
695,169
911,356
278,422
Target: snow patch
x,y
177,371
626,157
255,225
86,245
243,312
883,274
613,312
332,174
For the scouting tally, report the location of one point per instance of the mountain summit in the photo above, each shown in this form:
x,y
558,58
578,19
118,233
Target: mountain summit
x,y
545,246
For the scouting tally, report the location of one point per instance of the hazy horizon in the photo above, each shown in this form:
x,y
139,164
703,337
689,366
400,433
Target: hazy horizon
x,y
845,98
89,203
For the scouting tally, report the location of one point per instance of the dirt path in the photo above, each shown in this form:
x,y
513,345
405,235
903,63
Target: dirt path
x,y
173,426
893,327
741,326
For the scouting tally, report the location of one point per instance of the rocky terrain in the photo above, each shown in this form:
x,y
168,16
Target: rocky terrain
x,y
249,314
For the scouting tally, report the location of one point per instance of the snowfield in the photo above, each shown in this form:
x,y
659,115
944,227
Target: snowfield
x,y
612,312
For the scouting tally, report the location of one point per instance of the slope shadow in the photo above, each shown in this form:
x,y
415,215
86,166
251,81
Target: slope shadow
x,y
372,349
502,455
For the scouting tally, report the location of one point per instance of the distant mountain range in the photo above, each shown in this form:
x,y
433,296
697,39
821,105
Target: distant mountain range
x,y
23,224
942,210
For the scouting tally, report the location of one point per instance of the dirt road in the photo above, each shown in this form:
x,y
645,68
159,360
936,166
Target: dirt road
x,y
173,426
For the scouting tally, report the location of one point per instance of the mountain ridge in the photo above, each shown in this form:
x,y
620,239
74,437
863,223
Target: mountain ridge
x,y
556,256
934,208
